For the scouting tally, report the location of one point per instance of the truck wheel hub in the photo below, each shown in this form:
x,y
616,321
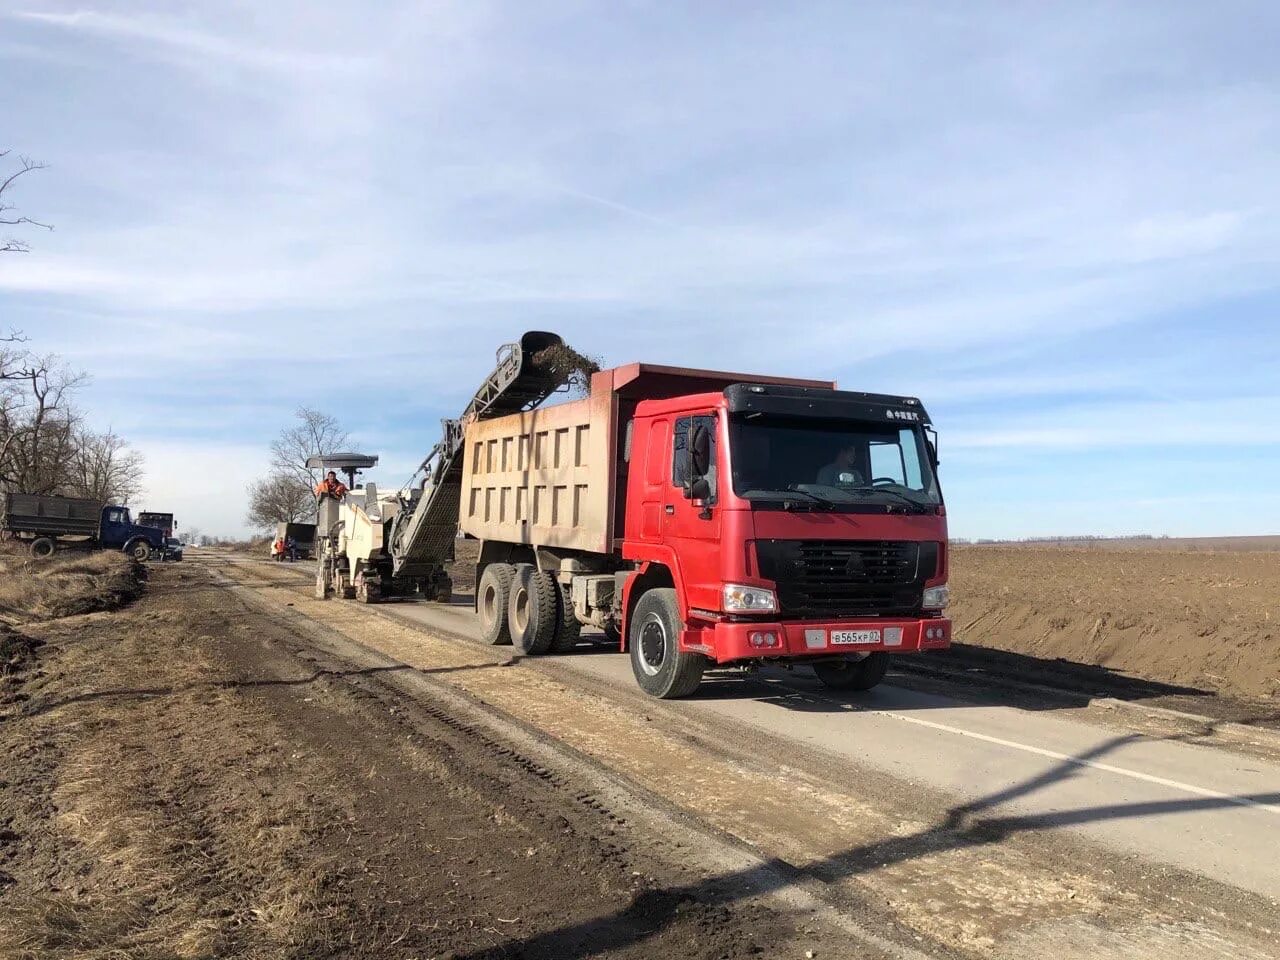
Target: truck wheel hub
x,y
653,646
521,611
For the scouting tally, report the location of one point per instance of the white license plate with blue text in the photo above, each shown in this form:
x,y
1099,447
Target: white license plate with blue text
x,y
855,636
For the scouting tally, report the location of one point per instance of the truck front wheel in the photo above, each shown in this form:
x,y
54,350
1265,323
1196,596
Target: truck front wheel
x,y
661,668
853,674
533,611
492,597
43,547
140,550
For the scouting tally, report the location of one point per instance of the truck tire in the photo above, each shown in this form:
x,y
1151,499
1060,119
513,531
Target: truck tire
x,y
660,667
853,674
568,629
533,610
492,597
140,550
42,548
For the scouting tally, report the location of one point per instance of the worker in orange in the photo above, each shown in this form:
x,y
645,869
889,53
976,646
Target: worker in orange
x,y
331,486
277,549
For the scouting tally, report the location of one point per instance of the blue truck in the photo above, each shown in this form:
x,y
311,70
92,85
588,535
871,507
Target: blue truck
x,y
46,524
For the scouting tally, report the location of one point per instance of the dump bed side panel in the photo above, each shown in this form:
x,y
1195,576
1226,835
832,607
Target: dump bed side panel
x,y
542,477
52,516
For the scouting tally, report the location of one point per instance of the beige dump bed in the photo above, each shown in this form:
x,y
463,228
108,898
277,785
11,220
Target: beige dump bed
x,y
548,477
541,477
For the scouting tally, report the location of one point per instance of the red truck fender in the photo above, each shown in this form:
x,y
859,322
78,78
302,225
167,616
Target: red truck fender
x,y
660,571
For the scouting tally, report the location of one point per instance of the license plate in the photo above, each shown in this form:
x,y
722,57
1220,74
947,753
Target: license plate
x,y
855,636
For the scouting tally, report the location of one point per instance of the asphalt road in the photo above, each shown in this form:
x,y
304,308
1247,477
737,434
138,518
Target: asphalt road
x,y
1209,811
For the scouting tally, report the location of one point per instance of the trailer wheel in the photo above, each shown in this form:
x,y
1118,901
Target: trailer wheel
x,y
533,610
42,548
660,667
140,550
492,598
568,629
852,674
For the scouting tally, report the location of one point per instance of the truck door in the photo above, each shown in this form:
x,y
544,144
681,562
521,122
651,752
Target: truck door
x,y
691,511
114,526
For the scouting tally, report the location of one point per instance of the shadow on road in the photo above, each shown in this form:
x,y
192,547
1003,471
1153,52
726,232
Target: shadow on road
x,y
966,825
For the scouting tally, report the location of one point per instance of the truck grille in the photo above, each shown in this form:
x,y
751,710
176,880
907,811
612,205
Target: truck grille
x,y
826,578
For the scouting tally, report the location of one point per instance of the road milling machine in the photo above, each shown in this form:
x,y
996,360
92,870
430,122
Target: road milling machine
x,y
372,545
352,532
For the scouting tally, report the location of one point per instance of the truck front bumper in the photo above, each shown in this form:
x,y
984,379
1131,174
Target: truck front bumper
x,y
725,642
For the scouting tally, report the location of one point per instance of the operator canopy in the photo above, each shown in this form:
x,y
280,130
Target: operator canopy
x,y
342,461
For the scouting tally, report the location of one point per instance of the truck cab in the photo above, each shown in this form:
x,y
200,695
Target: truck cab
x,y
116,530
794,522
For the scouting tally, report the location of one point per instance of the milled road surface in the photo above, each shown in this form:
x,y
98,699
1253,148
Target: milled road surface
x,y
967,825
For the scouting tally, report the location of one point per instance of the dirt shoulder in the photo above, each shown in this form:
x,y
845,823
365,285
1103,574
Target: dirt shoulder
x,y
188,778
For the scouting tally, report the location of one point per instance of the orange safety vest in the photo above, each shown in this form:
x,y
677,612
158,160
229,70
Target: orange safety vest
x,y
332,488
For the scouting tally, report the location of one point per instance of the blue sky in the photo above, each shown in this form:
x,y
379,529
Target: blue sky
x,y
1055,223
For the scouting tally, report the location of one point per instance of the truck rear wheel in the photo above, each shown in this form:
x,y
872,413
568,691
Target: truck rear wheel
x,y
140,550
533,610
661,668
492,597
853,674
43,547
568,629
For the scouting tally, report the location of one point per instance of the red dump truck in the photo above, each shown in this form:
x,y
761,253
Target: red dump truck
x,y
709,519
703,519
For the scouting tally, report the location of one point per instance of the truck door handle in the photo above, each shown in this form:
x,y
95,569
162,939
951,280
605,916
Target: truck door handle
x,y
670,509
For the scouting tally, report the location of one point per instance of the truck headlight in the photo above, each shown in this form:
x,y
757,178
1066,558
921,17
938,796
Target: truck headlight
x,y
936,598
738,598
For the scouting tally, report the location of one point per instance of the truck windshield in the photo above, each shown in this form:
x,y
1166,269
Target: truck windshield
x,y
840,464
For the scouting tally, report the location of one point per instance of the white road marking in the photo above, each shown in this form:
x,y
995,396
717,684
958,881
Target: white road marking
x,y
1076,761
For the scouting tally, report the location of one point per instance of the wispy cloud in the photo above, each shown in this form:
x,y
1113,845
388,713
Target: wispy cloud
x,y
165,35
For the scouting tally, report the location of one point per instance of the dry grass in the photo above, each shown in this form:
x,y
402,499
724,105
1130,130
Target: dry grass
x,y
66,585
162,825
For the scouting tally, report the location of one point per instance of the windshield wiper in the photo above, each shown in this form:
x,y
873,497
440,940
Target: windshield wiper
x,y
813,498
922,507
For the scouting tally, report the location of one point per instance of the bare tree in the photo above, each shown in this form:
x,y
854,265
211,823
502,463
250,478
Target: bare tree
x,y
315,433
104,468
287,491
38,424
279,497
8,215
